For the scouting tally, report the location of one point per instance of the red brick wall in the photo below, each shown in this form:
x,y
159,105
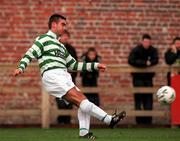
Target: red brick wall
x,y
112,26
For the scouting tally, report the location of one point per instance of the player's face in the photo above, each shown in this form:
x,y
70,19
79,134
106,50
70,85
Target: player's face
x,y
60,26
146,43
177,44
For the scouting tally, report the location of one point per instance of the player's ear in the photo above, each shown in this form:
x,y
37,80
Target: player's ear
x,y
54,24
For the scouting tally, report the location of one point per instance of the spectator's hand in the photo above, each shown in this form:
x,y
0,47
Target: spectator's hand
x,y
148,63
173,48
101,67
17,72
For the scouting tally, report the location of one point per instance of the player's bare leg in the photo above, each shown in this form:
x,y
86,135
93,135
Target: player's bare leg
x,y
74,96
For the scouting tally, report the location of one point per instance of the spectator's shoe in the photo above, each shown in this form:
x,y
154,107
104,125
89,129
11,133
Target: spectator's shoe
x,y
88,136
116,118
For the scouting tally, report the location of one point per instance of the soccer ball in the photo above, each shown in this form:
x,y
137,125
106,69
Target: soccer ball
x,y
166,95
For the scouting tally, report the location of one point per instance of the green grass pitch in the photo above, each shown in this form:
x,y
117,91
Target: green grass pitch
x,y
71,134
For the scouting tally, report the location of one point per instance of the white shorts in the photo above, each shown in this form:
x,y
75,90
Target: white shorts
x,y
57,82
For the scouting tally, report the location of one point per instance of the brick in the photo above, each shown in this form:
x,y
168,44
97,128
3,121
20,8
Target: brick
x,y
113,27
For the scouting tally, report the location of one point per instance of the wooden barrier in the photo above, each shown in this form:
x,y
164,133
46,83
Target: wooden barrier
x,y
45,111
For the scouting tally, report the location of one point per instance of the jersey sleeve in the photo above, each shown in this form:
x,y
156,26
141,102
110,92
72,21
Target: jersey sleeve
x,y
74,65
32,53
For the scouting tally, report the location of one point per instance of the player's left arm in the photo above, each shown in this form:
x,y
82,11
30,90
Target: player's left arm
x,y
74,65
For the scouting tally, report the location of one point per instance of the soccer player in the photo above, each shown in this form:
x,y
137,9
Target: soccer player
x,y
54,61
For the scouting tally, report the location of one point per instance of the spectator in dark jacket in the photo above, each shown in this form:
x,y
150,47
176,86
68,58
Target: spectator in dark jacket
x,y
90,79
172,55
61,103
142,56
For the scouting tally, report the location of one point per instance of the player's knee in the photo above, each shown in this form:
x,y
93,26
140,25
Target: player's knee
x,y
82,96
86,106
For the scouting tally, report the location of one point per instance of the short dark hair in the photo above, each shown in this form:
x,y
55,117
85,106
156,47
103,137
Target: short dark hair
x,y
55,18
91,49
176,39
146,36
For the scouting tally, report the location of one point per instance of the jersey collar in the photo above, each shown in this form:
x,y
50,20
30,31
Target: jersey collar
x,y
52,34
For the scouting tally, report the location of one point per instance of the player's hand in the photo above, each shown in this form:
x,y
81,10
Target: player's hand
x,y
101,67
17,72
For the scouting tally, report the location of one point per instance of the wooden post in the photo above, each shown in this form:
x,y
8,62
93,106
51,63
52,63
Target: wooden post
x,y
45,110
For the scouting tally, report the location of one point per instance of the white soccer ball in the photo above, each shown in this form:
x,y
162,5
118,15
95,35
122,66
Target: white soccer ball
x,y
166,95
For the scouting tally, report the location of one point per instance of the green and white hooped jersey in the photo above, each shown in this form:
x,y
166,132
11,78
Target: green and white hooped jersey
x,y
51,54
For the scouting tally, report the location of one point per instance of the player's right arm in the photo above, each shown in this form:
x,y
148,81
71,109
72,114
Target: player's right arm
x,y
74,65
33,53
